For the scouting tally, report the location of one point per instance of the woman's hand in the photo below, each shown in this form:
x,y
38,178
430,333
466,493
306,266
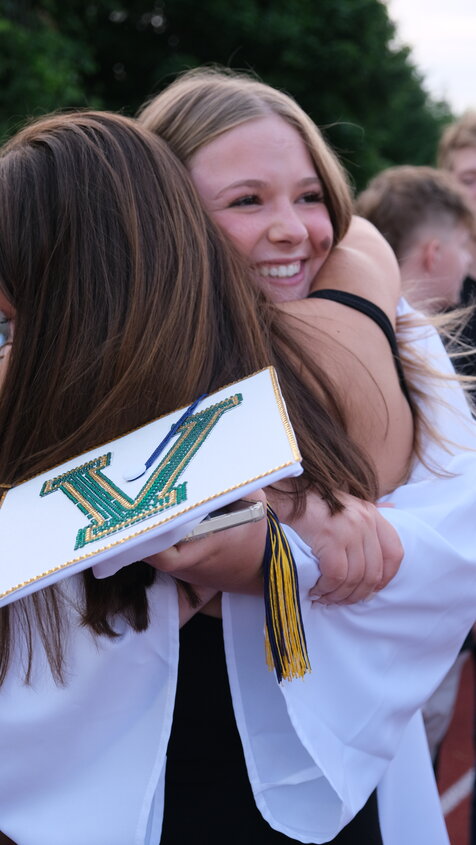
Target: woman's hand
x,y
227,561
359,552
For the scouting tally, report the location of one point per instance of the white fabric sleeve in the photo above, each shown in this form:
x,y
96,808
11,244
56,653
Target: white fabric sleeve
x,y
84,763
315,756
408,801
317,748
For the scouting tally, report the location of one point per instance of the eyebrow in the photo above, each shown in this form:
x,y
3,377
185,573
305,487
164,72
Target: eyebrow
x,y
242,183
259,183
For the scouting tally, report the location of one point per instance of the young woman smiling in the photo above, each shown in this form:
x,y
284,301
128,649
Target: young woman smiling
x,y
267,178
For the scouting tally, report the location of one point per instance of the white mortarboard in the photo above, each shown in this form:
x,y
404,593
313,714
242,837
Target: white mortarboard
x,y
86,512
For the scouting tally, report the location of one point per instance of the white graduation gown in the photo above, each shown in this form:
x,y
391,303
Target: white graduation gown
x,y
84,763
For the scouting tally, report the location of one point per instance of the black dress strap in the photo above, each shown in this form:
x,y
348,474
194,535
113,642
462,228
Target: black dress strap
x,y
365,306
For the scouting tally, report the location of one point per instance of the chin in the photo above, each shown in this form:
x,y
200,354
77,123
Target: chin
x,y
288,293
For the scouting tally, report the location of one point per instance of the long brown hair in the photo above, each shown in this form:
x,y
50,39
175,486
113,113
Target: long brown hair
x,y
128,304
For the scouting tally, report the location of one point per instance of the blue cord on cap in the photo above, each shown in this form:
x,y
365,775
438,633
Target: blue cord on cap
x,y
139,471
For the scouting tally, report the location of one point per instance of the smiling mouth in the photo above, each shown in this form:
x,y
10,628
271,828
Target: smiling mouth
x,y
280,271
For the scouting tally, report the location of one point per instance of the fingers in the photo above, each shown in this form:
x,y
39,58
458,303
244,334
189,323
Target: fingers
x,y
360,554
392,550
166,561
372,565
357,575
338,580
334,571
184,556
229,560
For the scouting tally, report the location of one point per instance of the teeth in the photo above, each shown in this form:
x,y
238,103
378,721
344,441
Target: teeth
x,y
280,270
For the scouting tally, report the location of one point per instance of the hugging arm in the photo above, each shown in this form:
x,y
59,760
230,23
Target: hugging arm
x,y
358,550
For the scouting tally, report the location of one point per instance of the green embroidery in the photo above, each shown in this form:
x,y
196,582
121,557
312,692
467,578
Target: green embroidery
x,y
108,508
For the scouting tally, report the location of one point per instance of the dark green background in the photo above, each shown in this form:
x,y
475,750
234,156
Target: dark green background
x,y
339,58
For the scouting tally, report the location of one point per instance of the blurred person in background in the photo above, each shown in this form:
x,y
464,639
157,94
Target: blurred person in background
x,y
457,154
429,224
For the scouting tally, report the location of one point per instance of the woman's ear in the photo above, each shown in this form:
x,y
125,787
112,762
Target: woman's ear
x,y
431,251
4,355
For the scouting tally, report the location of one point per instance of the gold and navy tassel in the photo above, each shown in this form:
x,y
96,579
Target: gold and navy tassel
x,y
286,649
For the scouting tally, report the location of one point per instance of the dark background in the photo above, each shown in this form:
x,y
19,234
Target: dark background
x,y
338,58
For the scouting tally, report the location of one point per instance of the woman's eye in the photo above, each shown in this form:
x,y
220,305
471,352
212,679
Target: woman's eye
x,y
241,202
312,197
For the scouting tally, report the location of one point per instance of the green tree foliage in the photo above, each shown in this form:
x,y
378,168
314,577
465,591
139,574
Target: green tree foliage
x,y
338,58
41,68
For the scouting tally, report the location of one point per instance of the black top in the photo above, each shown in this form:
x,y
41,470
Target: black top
x,y
466,364
468,297
208,797
365,306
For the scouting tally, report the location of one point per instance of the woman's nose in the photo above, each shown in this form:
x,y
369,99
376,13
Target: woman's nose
x,y
287,227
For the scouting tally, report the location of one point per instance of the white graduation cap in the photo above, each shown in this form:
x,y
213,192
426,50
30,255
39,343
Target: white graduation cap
x,y
88,512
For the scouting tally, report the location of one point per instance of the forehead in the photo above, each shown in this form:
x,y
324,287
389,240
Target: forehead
x,y
259,142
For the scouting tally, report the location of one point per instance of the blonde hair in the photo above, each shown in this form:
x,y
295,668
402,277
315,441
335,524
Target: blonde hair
x,y
204,103
457,136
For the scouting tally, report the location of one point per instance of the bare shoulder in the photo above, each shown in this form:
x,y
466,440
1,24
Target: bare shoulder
x,y
363,263
354,351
